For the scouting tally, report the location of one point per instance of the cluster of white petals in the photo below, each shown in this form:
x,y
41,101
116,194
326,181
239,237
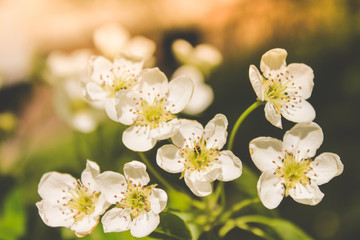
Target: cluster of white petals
x,y
108,79
71,203
289,166
150,110
284,87
196,154
137,205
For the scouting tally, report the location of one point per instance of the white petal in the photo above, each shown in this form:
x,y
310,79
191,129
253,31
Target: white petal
x,y
85,225
110,108
116,220
141,46
273,59
270,189
303,139
89,174
126,107
180,92
93,92
154,82
158,200
165,129
303,78
52,184
112,184
215,132
299,112
265,150
99,65
132,63
201,99
169,158
137,138
193,72
326,166
144,224
309,194
271,115
256,80
52,215
135,171
188,129
101,205
199,188
231,166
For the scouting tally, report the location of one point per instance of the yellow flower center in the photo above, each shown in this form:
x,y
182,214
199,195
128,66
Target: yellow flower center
x,y
136,199
82,201
294,172
121,80
154,114
199,157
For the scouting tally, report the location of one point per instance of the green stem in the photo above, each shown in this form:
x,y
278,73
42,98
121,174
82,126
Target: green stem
x,y
240,120
154,172
237,207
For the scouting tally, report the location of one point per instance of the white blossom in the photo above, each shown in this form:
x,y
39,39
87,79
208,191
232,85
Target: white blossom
x,y
137,205
109,78
71,203
289,166
284,87
151,110
196,154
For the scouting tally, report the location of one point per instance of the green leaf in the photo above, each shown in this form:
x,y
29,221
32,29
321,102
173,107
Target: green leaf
x,y
247,182
171,227
284,229
12,219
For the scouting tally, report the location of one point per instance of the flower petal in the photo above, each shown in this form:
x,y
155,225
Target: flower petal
x,y
132,63
52,184
265,150
299,112
158,200
52,215
270,189
309,194
111,185
231,166
137,138
116,220
180,92
273,59
303,78
153,82
85,225
199,188
188,129
169,158
99,66
215,132
303,139
110,105
326,166
89,174
125,107
93,92
144,224
256,80
135,171
201,99
272,116
165,129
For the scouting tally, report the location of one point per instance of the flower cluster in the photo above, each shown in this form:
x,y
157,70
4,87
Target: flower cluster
x,y
148,103
78,204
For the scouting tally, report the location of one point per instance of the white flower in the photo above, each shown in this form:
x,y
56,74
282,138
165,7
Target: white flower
x,y
203,94
137,205
71,203
112,38
109,78
150,111
65,72
289,168
196,154
285,88
204,56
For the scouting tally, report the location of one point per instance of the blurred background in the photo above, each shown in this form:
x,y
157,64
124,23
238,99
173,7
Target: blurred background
x,y
37,135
